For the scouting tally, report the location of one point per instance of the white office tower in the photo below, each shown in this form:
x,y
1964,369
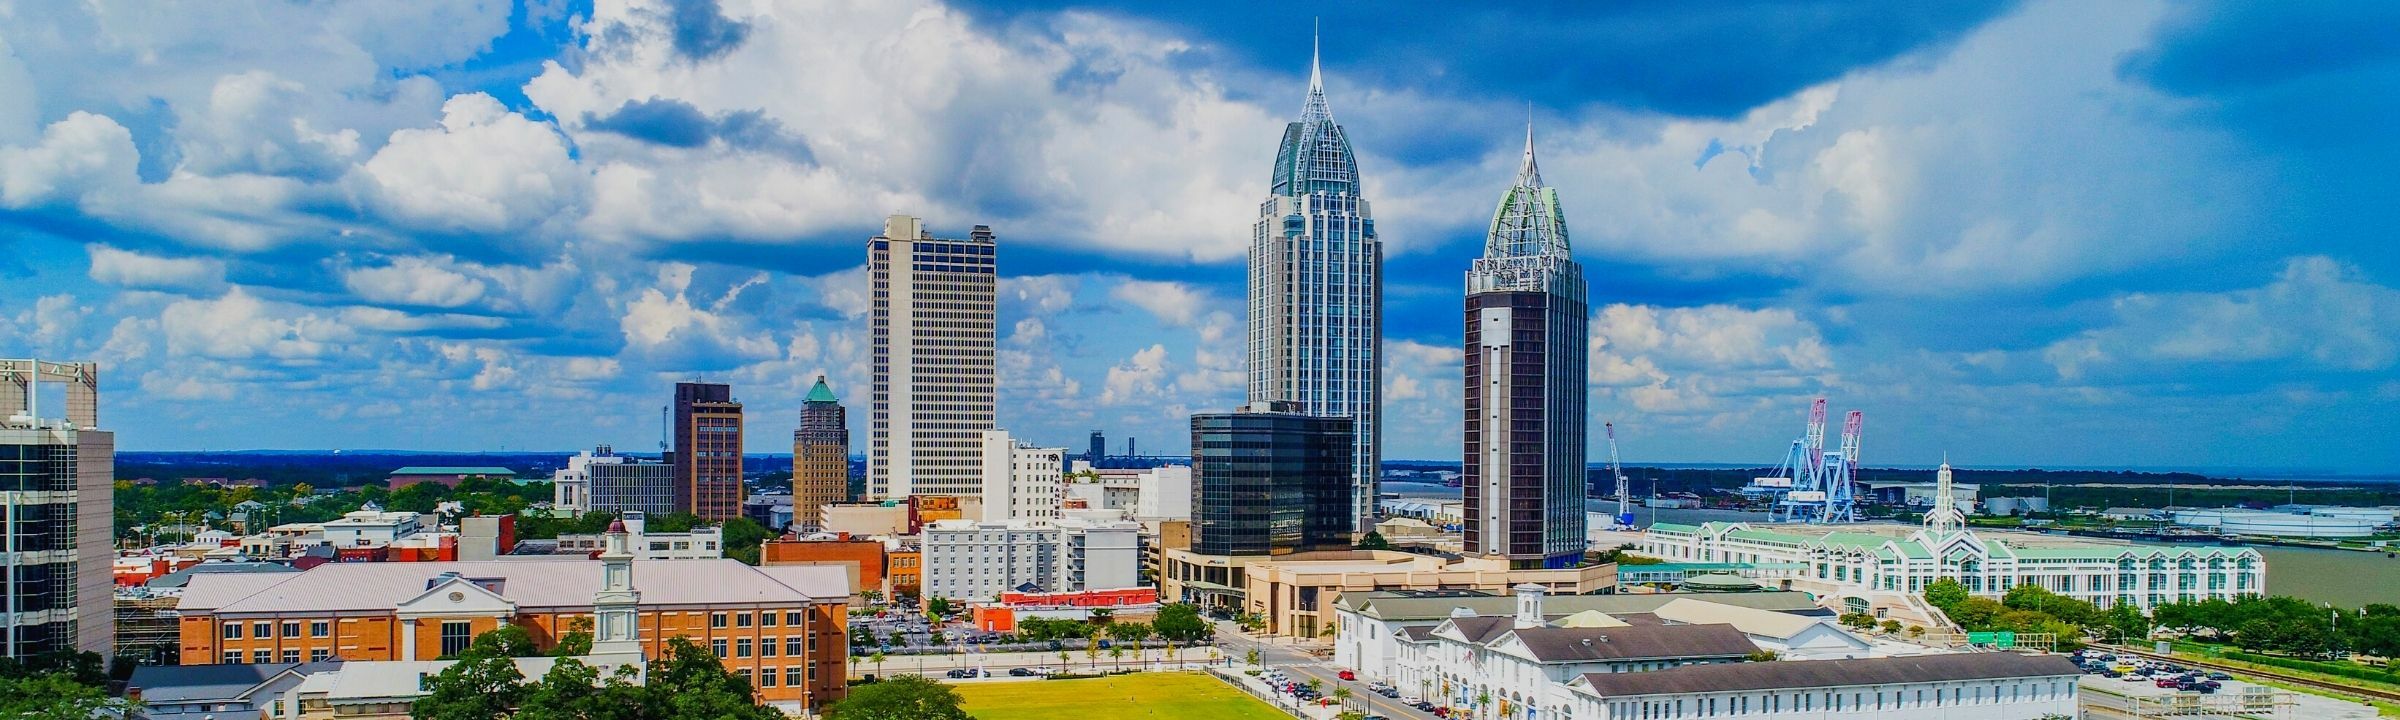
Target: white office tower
x,y
932,328
57,512
1020,481
1316,291
1084,550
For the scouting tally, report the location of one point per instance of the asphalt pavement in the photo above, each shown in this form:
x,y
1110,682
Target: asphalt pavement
x,y
1298,663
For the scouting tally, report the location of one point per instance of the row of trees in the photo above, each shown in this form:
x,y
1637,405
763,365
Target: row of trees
x,y
2034,609
2288,625
686,682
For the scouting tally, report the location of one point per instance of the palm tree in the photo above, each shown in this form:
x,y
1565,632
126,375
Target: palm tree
x,y
1062,660
1342,695
1092,650
1116,656
877,658
1482,699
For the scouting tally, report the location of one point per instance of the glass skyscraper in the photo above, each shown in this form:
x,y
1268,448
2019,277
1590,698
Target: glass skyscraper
x,y
1316,291
1525,383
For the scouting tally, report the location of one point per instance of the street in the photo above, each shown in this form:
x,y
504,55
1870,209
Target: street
x,y
1296,662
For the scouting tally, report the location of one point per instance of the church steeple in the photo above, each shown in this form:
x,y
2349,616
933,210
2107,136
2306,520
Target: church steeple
x,y
1944,520
616,635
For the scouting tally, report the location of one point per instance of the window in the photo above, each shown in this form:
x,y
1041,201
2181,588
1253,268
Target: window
x,y
767,619
291,628
319,655
792,646
741,619
766,677
766,647
791,676
319,628
233,631
291,655
792,618
262,656
741,648
456,635
716,620
717,646
232,657
262,629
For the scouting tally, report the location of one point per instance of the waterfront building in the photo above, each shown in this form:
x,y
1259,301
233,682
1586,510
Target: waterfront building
x,y
820,455
1886,567
58,512
1315,292
1269,480
708,451
1020,481
1526,388
1086,550
788,623
932,324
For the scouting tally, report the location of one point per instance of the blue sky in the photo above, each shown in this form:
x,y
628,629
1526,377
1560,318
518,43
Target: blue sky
x,y
2048,233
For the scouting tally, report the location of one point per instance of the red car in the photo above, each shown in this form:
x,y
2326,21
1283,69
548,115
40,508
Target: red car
x,y
1347,675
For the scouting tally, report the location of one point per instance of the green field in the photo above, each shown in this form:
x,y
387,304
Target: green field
x,y
1166,696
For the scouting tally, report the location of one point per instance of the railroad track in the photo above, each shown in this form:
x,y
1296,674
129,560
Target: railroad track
x,y
2384,695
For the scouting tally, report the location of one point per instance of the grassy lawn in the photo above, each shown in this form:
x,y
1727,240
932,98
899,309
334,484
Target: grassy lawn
x,y
1166,696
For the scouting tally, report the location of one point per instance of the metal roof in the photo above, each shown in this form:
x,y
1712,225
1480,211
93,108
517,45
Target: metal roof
x,y
1633,642
1810,674
1395,607
561,582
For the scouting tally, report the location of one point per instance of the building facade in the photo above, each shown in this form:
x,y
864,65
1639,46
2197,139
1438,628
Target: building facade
x,y
1020,481
1315,292
1526,388
1876,563
975,561
932,323
700,543
1269,481
58,512
786,623
708,451
820,455
1966,686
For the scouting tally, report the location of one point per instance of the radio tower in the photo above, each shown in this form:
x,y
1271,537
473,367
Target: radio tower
x,y
1624,488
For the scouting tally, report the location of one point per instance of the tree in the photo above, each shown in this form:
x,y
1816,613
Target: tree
x,y
482,685
877,658
1132,632
689,682
1762,655
1101,616
1374,541
742,538
55,696
1180,622
1946,593
938,606
578,640
899,639
902,698
1116,656
1891,626
1342,695
1251,657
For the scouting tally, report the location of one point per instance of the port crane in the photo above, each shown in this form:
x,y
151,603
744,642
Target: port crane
x,y
1812,484
1624,487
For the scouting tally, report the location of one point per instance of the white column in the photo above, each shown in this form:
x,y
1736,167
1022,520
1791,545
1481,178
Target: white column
x,y
408,638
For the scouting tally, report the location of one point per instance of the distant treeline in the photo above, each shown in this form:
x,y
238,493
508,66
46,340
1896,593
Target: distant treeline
x,y
329,470
2189,488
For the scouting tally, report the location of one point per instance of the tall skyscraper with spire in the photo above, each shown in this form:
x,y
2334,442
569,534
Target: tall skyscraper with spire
x,y
1525,383
1316,290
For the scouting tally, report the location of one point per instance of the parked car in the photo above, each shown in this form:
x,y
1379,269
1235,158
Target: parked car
x,y
2219,676
1021,672
1346,675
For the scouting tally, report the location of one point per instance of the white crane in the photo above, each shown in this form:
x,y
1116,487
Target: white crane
x,y
1624,488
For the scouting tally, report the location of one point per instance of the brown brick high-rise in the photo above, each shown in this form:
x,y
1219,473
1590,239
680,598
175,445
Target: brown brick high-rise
x,y
820,455
708,451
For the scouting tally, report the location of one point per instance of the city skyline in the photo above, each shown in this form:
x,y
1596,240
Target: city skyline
x,y
2037,234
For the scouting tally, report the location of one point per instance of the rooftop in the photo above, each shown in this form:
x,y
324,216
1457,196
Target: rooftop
x,y
1402,606
1809,674
1633,642
559,582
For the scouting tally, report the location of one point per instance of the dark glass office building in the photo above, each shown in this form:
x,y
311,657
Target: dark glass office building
x,y
1270,481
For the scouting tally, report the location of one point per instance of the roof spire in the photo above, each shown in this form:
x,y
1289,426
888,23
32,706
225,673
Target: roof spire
x,y
1529,174
1316,76
1315,111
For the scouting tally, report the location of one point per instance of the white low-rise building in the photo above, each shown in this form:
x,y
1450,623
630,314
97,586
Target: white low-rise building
x,y
1376,629
370,526
1789,635
1959,686
1519,665
1085,550
700,543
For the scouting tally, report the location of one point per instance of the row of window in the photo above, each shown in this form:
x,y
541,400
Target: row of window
x,y
794,646
265,629
264,656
